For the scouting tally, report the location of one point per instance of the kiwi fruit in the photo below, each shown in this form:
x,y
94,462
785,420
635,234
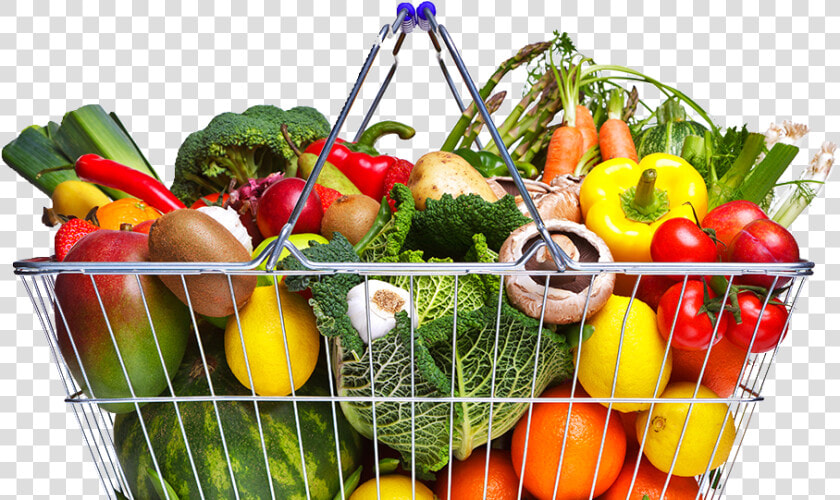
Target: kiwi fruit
x,y
187,235
351,215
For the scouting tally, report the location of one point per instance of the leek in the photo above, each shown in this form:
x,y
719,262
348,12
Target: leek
x,y
89,129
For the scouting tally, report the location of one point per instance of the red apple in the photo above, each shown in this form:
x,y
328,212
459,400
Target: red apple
x,y
763,241
276,205
728,219
143,227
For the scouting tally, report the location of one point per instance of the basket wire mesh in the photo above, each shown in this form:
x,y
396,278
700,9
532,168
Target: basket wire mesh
x,y
39,278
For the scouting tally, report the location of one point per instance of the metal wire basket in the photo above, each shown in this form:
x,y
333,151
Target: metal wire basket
x,y
98,425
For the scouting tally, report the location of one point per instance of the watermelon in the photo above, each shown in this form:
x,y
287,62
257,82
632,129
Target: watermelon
x,y
670,132
242,438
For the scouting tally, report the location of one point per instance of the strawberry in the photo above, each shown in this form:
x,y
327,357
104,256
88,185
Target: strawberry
x,y
69,233
327,195
397,174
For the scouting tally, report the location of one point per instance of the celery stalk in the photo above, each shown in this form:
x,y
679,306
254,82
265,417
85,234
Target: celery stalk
x,y
765,175
726,189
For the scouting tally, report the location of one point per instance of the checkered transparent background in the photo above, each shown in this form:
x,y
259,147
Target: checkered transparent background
x,y
167,68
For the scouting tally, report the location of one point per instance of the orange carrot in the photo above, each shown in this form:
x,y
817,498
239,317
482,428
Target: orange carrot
x,y
564,152
586,125
615,138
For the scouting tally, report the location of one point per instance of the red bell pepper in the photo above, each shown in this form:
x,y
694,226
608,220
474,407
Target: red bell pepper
x,y
360,162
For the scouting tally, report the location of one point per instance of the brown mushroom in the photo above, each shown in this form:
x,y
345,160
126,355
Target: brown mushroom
x,y
552,202
567,292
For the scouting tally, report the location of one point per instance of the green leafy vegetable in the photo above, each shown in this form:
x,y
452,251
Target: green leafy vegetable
x,y
390,239
434,295
446,226
477,343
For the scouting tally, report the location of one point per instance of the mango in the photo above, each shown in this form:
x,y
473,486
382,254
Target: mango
x,y
82,325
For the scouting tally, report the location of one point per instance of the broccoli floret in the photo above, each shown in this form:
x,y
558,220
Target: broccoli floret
x,y
241,147
446,227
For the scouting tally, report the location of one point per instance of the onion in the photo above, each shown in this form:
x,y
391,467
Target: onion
x,y
229,218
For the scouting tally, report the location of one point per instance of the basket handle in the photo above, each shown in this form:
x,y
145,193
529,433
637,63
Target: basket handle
x,y
560,258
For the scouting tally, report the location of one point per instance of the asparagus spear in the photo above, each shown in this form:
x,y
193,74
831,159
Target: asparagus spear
x,y
493,104
525,55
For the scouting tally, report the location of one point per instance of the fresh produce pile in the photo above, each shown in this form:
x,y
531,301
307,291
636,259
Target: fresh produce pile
x,y
612,177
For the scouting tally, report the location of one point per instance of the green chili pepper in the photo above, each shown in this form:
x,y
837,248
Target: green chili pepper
x,y
492,165
382,218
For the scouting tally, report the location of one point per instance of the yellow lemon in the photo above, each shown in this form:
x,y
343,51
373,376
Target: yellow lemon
x,y
262,332
392,487
642,352
701,433
77,198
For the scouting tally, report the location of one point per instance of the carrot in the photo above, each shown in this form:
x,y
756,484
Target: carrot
x,y
586,125
615,138
564,152
566,146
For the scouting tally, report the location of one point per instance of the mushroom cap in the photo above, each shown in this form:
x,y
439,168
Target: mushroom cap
x,y
553,202
567,294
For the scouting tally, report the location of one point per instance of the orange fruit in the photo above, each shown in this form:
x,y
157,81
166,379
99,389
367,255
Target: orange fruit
x,y
125,210
649,481
468,477
583,444
722,370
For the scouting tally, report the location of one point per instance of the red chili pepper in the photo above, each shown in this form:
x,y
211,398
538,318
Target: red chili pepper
x,y
98,170
360,162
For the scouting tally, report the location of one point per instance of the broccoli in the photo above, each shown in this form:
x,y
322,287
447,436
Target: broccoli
x,y
241,147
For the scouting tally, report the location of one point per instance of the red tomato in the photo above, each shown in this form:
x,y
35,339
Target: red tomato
x,y
681,240
652,287
694,329
212,198
771,329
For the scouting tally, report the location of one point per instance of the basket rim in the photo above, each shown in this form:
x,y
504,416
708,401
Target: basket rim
x,y
45,265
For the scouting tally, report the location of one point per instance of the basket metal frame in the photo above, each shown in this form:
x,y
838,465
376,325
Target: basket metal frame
x,y
38,276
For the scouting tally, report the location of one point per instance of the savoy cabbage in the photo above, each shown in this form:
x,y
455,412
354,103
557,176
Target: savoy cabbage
x,y
477,341
485,349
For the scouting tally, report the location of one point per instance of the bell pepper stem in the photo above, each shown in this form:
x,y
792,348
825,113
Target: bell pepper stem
x,y
644,200
377,130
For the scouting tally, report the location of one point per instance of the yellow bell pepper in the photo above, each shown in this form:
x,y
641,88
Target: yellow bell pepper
x,y
624,202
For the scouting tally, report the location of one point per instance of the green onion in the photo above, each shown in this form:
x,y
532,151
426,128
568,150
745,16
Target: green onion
x,y
809,185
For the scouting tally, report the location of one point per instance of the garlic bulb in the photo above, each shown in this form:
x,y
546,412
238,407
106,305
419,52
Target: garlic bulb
x,y
229,218
386,300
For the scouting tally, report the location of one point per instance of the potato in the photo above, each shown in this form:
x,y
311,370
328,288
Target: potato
x,y
440,172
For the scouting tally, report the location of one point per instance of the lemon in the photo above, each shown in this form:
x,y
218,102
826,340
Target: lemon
x,y
642,352
701,433
262,331
77,198
393,487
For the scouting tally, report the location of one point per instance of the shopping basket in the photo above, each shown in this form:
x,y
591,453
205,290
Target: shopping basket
x,y
205,468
